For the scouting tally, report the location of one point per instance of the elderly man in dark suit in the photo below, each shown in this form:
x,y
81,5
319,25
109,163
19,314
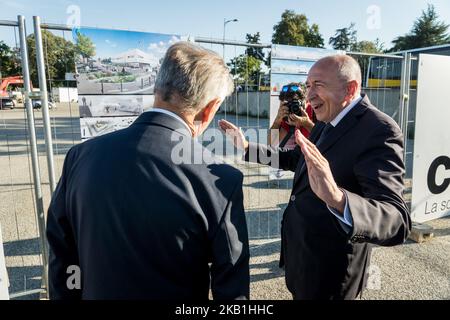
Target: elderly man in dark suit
x,y
348,186
140,216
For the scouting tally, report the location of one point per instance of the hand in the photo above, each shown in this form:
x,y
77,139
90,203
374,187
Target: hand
x,y
283,112
235,134
299,121
320,176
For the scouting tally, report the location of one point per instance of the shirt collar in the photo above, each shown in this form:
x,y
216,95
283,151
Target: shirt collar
x,y
344,112
172,114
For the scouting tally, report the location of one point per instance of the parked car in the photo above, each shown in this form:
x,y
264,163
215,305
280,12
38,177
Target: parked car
x,y
7,103
37,104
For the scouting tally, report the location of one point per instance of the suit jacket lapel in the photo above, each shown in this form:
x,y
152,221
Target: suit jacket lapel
x,y
347,123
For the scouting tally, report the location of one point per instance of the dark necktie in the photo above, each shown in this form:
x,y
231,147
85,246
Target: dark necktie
x,y
325,132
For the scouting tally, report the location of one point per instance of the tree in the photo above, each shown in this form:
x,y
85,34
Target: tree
x,y
84,46
368,46
59,58
427,31
252,51
314,38
345,38
9,61
247,67
293,29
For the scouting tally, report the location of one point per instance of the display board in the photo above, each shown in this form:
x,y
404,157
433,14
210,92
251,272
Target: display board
x,y
116,73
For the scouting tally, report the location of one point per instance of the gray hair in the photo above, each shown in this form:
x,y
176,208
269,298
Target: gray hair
x,y
192,76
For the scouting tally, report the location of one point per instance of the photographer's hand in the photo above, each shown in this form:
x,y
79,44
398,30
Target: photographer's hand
x,y
283,112
301,121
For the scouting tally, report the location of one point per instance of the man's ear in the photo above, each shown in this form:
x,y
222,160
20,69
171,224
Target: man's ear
x,y
210,110
352,89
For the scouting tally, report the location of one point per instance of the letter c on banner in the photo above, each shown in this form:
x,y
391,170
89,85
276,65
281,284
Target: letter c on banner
x,y
432,185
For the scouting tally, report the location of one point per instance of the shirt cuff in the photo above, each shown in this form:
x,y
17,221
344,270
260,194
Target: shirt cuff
x,y
345,220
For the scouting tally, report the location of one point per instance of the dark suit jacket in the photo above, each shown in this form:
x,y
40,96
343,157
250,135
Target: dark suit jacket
x,y
365,153
142,227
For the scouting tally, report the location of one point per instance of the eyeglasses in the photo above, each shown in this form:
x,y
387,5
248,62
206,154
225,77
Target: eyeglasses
x,y
290,88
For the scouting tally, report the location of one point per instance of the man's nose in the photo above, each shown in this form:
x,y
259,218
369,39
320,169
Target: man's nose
x,y
310,95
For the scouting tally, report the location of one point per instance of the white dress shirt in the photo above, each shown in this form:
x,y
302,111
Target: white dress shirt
x,y
173,115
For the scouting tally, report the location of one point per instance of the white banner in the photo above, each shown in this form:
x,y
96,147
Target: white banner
x,y
431,166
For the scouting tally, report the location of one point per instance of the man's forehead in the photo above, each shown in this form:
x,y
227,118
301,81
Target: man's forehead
x,y
321,72
315,74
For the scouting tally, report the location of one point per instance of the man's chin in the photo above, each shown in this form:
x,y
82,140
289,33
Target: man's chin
x,y
319,118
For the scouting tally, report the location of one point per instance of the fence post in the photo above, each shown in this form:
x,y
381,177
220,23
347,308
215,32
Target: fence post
x,y
34,152
406,102
44,102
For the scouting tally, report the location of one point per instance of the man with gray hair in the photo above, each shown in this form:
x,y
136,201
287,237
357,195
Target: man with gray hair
x,y
136,224
348,186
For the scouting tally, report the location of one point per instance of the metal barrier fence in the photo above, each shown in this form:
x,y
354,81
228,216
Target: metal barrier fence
x,y
29,138
21,213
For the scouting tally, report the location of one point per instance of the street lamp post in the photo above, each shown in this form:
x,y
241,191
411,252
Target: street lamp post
x,y
225,22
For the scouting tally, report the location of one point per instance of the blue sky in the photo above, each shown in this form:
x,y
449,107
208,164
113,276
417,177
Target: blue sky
x,y
205,18
110,43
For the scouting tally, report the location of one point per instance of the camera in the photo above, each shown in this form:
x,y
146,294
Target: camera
x,y
294,95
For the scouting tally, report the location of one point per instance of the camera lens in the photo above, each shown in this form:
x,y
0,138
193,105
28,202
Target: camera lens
x,y
294,107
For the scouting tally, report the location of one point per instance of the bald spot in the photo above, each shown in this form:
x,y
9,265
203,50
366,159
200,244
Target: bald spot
x,y
345,67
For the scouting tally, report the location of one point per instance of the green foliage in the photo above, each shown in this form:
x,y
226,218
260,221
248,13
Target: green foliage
x,y
254,52
344,39
368,46
294,30
59,57
347,39
84,46
427,31
9,61
246,69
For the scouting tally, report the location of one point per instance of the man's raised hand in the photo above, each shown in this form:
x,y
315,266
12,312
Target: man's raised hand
x,y
235,133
